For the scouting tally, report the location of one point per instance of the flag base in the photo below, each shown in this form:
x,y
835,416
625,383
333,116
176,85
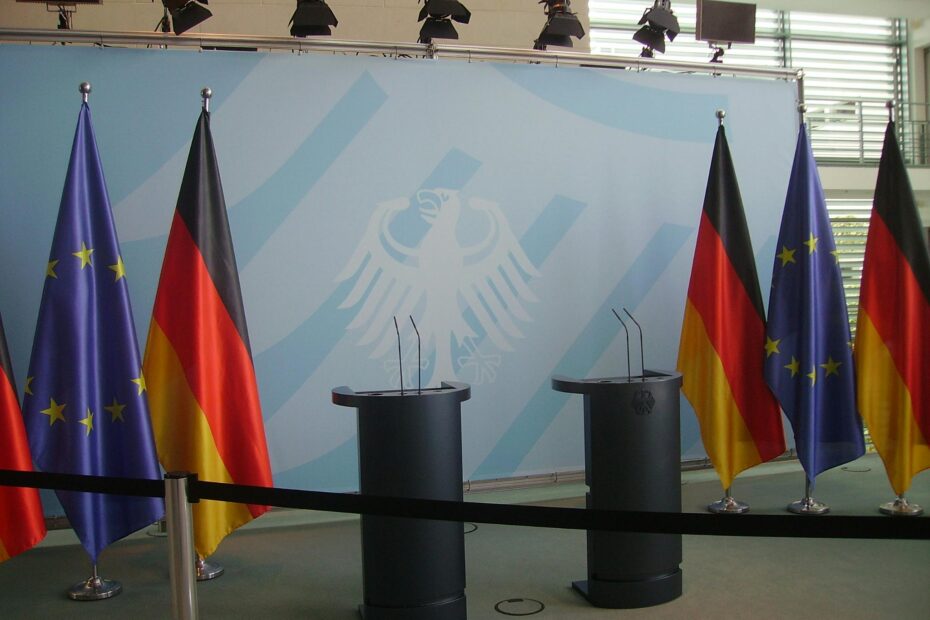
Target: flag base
x,y
900,507
808,506
728,505
207,570
95,589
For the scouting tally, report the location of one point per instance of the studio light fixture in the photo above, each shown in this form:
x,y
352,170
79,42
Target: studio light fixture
x,y
184,15
561,25
312,18
65,9
657,23
437,17
64,17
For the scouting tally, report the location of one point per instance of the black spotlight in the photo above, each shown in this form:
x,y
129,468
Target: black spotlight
x,y
657,23
185,14
312,17
437,17
560,27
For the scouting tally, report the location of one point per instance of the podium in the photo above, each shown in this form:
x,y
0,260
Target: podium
x,y
410,445
632,462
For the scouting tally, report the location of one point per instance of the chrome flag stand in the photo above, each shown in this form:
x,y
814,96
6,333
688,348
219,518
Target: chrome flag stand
x,y
900,507
95,588
728,505
808,505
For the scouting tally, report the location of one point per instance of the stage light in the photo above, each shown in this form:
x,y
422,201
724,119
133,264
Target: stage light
x,y
561,25
185,14
657,23
312,18
437,17
64,17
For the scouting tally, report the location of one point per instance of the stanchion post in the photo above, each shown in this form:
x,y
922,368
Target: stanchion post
x,y
180,547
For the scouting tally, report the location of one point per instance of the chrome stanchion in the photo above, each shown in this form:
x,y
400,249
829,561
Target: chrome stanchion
x,y
808,505
180,547
728,505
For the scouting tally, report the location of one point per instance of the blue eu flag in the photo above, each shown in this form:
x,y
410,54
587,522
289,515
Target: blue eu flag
x,y
85,405
808,355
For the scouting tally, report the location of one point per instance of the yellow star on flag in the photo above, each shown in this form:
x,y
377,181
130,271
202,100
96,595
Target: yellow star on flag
x,y
54,412
140,381
84,255
771,346
50,269
831,366
28,388
836,256
811,243
116,410
786,256
812,375
119,268
794,366
88,422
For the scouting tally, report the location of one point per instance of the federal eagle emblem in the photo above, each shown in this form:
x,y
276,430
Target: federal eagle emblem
x,y
438,280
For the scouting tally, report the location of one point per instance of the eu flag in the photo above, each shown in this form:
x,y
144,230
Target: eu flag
x,y
85,405
808,355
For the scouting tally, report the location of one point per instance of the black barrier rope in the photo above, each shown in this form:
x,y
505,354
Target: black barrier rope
x,y
76,482
778,526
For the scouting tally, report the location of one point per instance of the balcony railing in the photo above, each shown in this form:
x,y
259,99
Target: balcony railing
x,y
852,131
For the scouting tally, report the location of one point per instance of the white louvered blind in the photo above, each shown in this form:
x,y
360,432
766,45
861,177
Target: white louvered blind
x,y
849,218
852,65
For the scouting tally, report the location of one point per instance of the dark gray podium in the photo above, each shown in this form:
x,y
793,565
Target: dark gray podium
x,y
632,462
410,445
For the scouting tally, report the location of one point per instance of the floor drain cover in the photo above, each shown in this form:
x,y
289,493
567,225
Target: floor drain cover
x,y
519,607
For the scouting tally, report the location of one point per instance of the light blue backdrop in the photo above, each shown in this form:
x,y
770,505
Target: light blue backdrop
x,y
507,207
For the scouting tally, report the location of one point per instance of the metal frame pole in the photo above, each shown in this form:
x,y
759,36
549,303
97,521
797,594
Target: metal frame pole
x,y
180,547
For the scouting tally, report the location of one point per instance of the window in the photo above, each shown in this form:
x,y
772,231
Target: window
x,y
849,218
852,65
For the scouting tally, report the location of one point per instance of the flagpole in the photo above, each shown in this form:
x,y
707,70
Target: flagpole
x,y
802,106
205,94
900,506
93,588
207,570
808,505
727,504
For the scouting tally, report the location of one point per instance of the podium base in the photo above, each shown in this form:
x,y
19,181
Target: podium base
x,y
453,609
630,594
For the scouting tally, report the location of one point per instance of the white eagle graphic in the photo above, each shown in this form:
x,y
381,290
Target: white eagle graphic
x,y
441,276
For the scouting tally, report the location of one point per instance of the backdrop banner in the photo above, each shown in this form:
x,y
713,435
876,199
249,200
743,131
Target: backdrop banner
x,y
506,207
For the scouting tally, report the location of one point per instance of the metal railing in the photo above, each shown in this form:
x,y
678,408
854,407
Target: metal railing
x,y
852,131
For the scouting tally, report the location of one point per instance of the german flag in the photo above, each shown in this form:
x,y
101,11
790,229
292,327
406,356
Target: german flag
x,y
893,329
22,524
721,353
203,396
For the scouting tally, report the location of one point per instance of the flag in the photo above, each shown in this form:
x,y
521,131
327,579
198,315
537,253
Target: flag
x,y
22,524
85,407
198,361
893,328
720,355
808,353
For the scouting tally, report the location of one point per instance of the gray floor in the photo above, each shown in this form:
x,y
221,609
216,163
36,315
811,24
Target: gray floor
x,y
294,564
